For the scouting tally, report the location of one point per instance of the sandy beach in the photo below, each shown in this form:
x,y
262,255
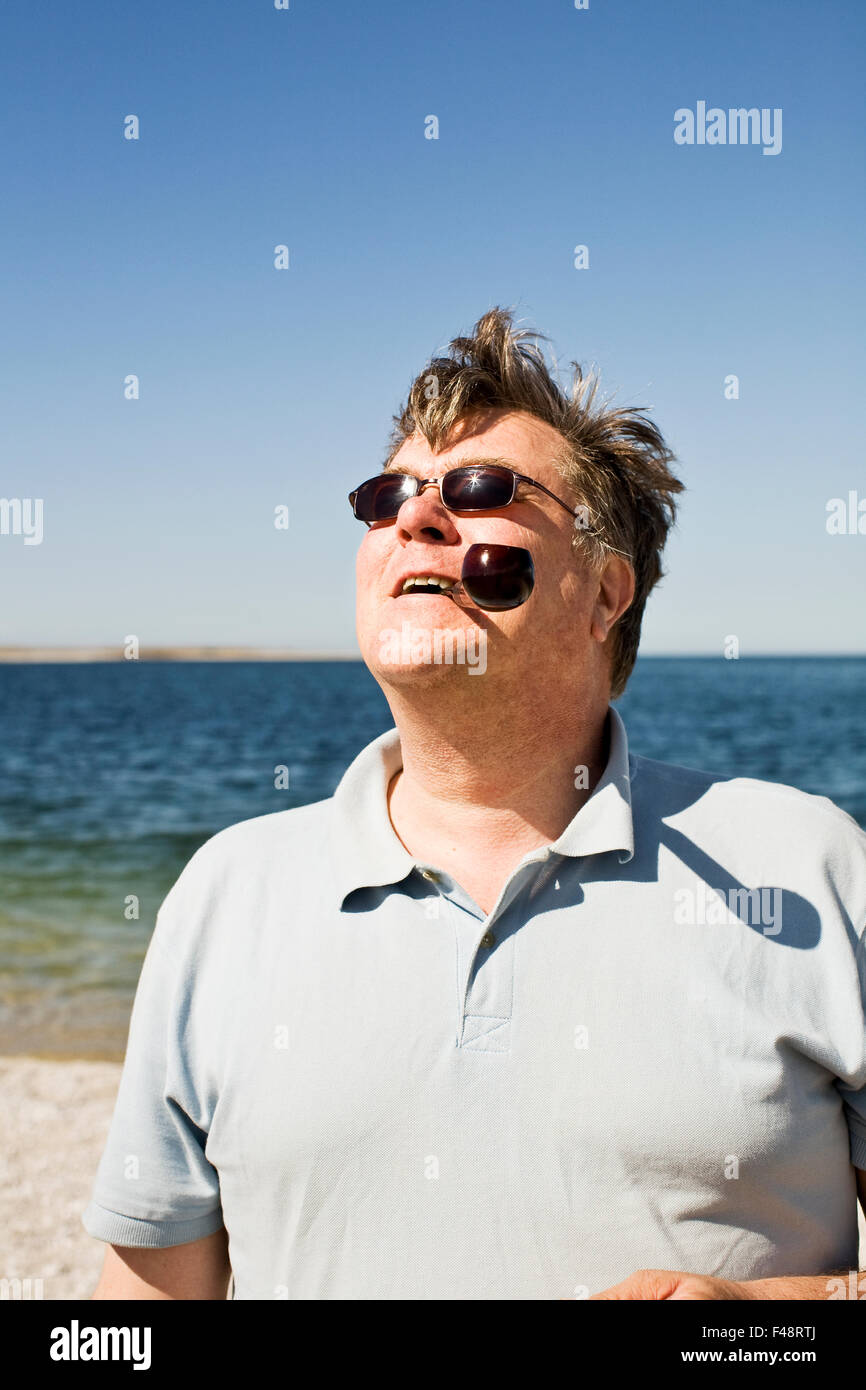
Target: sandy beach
x,y
56,1117
55,1123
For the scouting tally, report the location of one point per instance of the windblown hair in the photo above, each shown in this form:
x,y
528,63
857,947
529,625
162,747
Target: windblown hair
x,y
615,461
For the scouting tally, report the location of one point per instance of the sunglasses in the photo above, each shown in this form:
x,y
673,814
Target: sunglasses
x,y
494,577
480,487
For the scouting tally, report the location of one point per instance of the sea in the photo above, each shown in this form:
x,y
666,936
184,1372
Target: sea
x,y
113,774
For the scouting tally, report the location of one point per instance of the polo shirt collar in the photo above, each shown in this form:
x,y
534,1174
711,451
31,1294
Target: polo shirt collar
x,y
366,850
367,853
604,822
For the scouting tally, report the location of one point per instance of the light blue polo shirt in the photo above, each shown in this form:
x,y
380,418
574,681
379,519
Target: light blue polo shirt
x,y
651,1053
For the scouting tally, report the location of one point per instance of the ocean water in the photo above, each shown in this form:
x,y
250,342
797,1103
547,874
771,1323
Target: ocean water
x,y
111,775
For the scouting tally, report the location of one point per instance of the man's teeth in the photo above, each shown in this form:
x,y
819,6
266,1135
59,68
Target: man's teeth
x,y
425,580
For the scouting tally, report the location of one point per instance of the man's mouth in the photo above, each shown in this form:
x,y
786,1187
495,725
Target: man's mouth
x,y
426,584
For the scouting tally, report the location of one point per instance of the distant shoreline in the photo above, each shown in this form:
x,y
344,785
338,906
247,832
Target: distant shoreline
x,y
68,655
51,655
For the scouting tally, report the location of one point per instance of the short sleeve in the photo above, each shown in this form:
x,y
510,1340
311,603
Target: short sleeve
x,y
154,1185
854,1099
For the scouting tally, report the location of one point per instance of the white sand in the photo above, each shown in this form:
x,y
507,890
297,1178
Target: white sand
x,y
55,1118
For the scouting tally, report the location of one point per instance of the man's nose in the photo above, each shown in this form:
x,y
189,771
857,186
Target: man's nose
x,y
426,515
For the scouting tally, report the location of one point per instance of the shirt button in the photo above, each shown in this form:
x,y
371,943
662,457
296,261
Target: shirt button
x,y
488,940
425,873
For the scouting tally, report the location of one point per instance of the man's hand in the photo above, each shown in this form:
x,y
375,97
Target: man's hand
x,y
674,1283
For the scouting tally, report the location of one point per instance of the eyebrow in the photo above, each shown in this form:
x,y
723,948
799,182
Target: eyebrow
x,y
459,463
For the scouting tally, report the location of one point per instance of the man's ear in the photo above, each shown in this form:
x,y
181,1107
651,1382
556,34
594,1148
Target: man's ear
x,y
616,586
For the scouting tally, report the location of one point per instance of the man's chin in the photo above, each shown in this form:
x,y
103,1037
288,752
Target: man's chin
x,y
416,676
425,654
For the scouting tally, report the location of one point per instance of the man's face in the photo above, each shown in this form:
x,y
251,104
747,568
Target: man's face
x,y
552,627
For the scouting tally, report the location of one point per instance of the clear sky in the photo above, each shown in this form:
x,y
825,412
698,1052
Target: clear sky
x,y
260,387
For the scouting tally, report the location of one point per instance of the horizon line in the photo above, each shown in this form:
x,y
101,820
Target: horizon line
x,y
46,654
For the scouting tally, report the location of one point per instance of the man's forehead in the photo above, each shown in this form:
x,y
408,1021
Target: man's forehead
x,y
514,440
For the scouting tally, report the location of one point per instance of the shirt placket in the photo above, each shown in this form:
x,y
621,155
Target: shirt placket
x,y
485,958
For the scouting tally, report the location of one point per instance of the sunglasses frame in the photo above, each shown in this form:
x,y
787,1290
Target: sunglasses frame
x,y
421,483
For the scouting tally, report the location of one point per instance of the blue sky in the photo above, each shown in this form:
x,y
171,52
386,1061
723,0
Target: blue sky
x,y
260,387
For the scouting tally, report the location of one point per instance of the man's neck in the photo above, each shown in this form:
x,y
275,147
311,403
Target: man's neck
x,y
493,785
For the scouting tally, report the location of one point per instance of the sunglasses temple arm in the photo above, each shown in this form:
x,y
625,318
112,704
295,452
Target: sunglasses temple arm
x,y
460,596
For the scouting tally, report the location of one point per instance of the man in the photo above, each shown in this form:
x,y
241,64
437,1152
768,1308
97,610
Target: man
x,y
515,1014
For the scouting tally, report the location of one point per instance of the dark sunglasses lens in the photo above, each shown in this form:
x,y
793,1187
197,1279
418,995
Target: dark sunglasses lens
x,y
497,577
381,498
477,489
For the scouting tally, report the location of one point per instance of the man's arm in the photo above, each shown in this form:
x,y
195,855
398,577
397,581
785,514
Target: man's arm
x,y
198,1270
